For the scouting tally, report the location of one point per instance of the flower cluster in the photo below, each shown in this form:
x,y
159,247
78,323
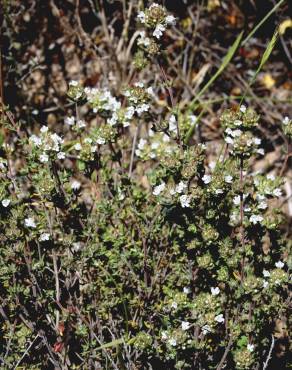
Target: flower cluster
x,y
47,145
157,145
238,130
156,20
170,252
139,97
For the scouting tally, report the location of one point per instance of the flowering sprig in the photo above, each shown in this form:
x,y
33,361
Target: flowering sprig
x,y
47,145
155,19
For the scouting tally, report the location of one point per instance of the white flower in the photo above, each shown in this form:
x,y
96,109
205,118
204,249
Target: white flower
x,y
139,84
73,83
155,145
44,158
228,179
180,187
57,139
159,29
218,191
158,189
154,5
286,120
100,140
279,264
61,155
271,176
260,151
212,165
44,129
174,305
277,192
262,205
164,335
172,342
145,41
257,141
77,146
129,112
250,347
237,122
150,91
113,120
185,201
219,318
254,219
142,108
75,185
229,140
81,123
172,123
44,237
236,133
141,17
76,247
186,290
170,19
193,119
5,202
215,291
29,222
70,121
185,325
206,179
265,284
236,200
36,140
266,273
142,143
206,329
243,108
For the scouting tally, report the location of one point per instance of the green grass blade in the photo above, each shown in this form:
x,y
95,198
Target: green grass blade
x,y
114,343
265,57
262,21
268,50
223,65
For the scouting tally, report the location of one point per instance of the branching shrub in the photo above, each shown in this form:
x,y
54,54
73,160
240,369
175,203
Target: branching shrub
x,y
124,247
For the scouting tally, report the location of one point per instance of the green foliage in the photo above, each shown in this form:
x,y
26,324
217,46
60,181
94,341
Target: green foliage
x,y
169,264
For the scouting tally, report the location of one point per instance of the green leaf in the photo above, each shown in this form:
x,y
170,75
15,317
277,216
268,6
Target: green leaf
x,y
114,343
1,139
80,165
268,51
224,64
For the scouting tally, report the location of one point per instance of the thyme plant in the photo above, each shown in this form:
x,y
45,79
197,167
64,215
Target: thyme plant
x,y
124,247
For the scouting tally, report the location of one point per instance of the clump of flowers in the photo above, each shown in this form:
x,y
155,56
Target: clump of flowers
x,y
155,19
123,246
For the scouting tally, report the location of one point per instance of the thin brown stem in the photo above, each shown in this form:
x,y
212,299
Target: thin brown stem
x,y
227,349
133,150
241,218
170,92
